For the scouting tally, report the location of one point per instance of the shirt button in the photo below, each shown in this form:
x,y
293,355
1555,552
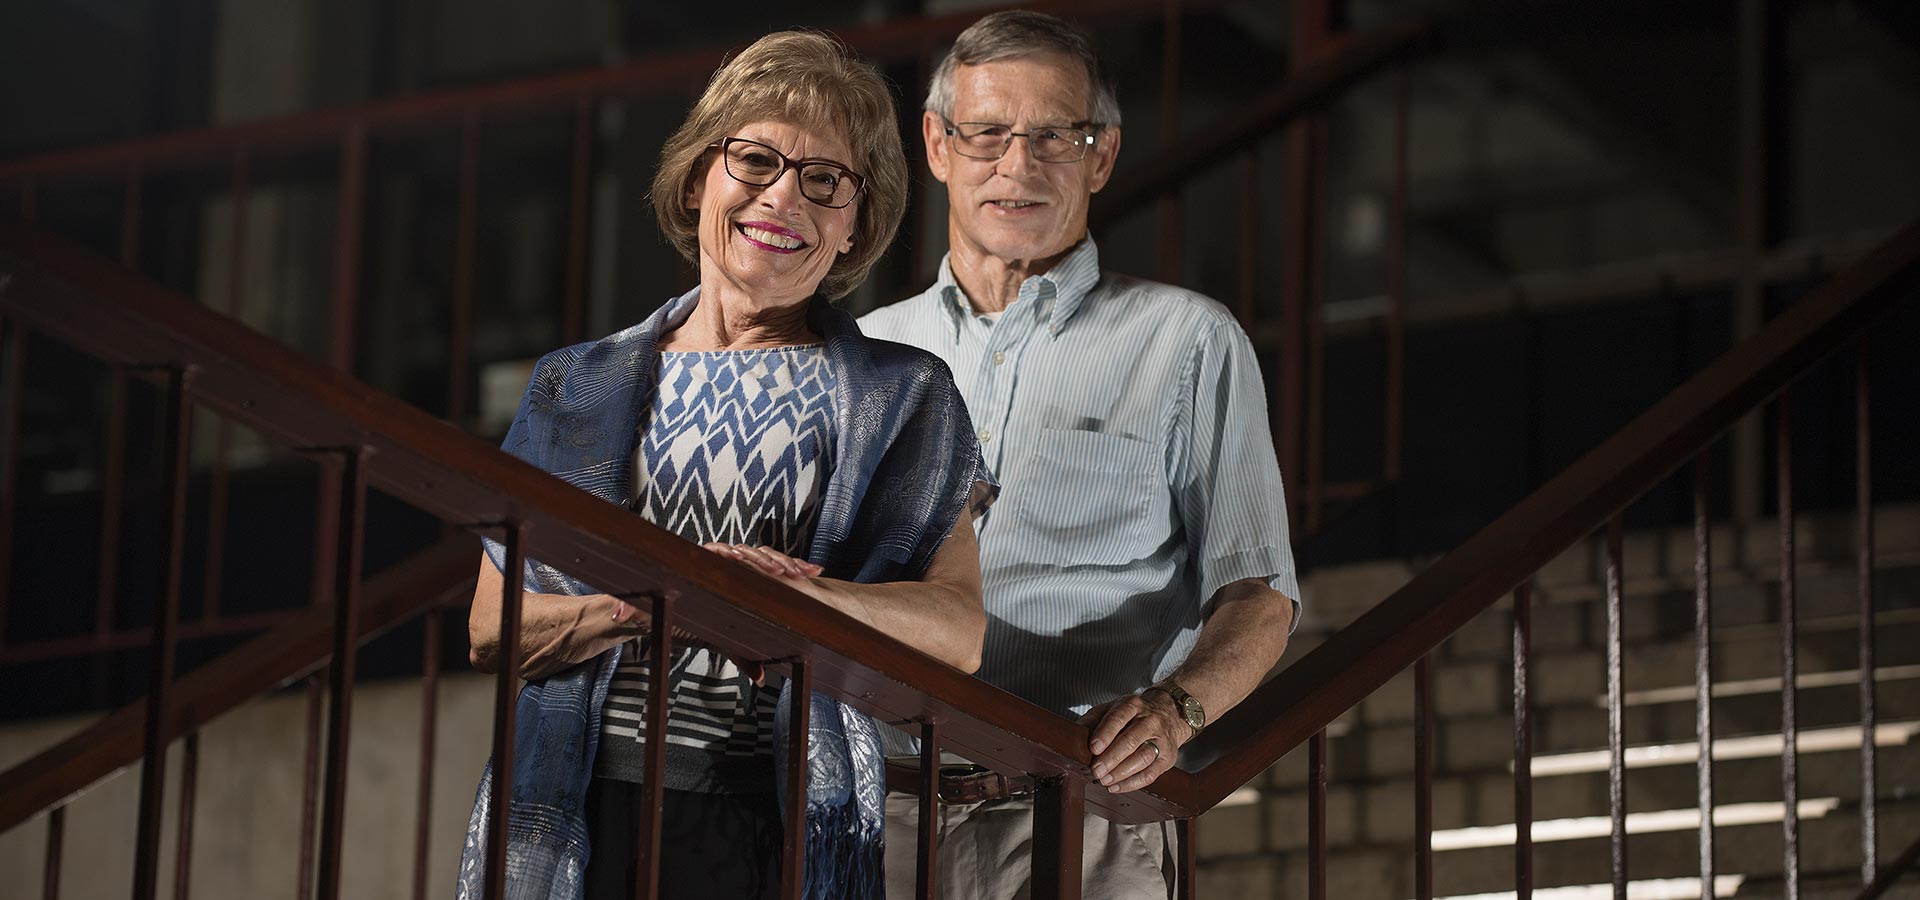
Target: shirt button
x,y
986,434
999,358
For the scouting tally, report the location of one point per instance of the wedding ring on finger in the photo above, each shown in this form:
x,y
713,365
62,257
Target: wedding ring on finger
x,y
1155,744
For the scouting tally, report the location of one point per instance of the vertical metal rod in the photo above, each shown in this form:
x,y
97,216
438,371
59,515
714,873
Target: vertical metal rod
x,y
505,693
189,781
1523,741
1789,669
1616,739
1863,510
647,860
216,564
1703,663
1423,778
1249,237
927,854
130,220
349,209
460,327
1316,325
794,838
429,722
1317,816
1169,212
153,765
1185,832
309,788
112,497
1397,278
13,345
56,836
346,642
571,324
1059,813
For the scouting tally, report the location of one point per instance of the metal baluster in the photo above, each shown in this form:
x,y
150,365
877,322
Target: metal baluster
x,y
1186,831
348,544
1317,816
1616,746
460,326
189,780
349,210
1863,508
13,345
1789,668
112,499
309,788
1397,278
153,767
429,720
571,318
660,688
505,694
1169,212
1316,327
1703,665
1423,778
1523,741
927,854
216,563
1059,812
793,863
56,837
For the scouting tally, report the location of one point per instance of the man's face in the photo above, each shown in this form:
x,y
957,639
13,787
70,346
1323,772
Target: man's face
x,y
1017,208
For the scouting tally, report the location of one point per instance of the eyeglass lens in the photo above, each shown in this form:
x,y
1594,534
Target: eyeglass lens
x,y
824,183
986,140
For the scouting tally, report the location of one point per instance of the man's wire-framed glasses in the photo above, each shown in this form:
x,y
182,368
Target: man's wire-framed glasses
x,y
1047,143
822,181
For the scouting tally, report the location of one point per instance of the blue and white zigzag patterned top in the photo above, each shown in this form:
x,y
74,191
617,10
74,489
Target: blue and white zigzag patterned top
x,y
736,448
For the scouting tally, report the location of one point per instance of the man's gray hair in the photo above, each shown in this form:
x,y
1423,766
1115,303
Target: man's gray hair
x,y
1015,33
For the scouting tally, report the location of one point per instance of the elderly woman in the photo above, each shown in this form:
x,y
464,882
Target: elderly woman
x,y
749,416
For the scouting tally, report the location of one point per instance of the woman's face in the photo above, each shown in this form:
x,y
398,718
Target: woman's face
x,y
771,244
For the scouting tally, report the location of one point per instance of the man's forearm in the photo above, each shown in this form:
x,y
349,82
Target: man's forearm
x,y
1240,642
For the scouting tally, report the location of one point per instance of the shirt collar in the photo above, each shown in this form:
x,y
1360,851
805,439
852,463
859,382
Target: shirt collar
x,y
1068,283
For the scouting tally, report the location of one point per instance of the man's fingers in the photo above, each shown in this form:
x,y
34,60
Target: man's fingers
x,y
1118,715
1142,759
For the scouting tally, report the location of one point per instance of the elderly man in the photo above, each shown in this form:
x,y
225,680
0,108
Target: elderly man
x,y
1137,569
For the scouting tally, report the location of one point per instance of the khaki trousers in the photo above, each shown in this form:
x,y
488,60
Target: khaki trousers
x,y
986,853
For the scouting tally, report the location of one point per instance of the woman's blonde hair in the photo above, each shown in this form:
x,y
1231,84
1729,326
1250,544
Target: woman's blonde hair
x,y
811,80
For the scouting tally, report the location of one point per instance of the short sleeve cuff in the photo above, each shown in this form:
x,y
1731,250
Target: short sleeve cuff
x,y
1274,565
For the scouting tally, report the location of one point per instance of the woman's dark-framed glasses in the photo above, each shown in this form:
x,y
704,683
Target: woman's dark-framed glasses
x,y
825,182
1048,143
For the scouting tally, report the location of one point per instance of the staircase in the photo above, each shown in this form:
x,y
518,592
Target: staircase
x,y
1362,768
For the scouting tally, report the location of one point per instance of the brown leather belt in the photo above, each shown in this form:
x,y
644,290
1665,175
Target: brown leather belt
x,y
958,783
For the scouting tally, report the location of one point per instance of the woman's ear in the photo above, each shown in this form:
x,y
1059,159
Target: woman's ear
x,y
695,188
846,244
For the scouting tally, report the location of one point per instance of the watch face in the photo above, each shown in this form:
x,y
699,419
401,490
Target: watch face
x,y
1190,709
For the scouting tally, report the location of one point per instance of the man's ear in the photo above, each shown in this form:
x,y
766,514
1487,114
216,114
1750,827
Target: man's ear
x,y
1106,148
933,132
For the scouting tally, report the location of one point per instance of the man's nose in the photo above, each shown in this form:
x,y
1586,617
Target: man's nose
x,y
1019,155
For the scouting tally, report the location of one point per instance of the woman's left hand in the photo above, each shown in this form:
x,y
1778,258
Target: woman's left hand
x,y
768,560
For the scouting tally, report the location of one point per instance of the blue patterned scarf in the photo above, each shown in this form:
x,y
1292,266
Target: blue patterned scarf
x,y
903,438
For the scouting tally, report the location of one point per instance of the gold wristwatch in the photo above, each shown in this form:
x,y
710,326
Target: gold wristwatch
x,y
1190,709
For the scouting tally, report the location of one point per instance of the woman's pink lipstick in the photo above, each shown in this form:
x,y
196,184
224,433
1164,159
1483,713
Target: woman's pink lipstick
x,y
775,231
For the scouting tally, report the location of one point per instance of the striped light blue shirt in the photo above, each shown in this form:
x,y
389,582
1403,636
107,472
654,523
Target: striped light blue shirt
x,y
1127,423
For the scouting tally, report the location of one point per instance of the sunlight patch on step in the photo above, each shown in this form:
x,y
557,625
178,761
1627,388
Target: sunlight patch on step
x,y
1651,889
1812,740
1637,823
1749,686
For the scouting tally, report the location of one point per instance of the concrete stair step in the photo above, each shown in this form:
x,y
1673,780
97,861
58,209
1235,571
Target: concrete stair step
x,y
1828,844
1359,814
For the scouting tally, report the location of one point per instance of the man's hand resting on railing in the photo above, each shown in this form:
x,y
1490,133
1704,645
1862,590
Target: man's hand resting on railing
x,y
1137,738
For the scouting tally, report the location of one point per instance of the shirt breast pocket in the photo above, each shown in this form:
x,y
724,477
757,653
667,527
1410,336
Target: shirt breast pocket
x,y
1095,499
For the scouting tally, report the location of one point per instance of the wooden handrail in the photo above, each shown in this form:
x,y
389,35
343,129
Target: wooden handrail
x,y
663,74
435,577
76,297
1308,695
